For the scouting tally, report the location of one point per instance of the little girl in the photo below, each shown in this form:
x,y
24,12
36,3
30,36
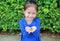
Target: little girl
x,y
30,25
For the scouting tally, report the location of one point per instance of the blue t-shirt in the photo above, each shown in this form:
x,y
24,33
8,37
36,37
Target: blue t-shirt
x,y
35,36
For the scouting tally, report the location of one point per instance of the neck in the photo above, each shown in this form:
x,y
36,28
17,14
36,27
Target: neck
x,y
28,21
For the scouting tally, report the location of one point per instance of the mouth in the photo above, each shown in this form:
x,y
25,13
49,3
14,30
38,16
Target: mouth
x,y
30,18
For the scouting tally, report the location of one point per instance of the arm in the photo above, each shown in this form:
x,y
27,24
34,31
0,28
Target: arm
x,y
36,33
22,28
37,26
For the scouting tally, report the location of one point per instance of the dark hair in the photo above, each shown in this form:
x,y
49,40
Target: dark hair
x,y
30,3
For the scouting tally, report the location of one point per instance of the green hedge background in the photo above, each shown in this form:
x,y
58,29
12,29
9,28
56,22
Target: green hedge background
x,y
11,11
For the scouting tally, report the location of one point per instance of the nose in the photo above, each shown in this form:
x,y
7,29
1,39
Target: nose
x,y
30,15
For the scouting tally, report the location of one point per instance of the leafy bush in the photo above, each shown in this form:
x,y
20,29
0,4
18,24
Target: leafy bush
x,y
10,14
49,13
11,11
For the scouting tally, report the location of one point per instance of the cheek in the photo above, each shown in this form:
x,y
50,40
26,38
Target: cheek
x,y
26,15
34,15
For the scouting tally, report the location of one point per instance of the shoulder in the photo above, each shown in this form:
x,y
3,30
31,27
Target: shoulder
x,y
37,19
21,20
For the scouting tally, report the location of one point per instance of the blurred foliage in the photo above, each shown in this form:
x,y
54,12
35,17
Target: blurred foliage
x,y
11,11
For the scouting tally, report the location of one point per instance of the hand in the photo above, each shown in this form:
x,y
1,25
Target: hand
x,y
28,29
33,28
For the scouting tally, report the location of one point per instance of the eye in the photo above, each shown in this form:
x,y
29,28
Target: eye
x,y
28,12
33,13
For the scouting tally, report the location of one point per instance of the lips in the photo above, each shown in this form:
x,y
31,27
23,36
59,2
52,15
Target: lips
x,y
30,18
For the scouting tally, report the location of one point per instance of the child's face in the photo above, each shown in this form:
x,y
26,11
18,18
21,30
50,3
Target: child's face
x,y
30,13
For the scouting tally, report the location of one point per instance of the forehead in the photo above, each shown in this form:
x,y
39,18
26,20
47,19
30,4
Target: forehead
x,y
32,9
